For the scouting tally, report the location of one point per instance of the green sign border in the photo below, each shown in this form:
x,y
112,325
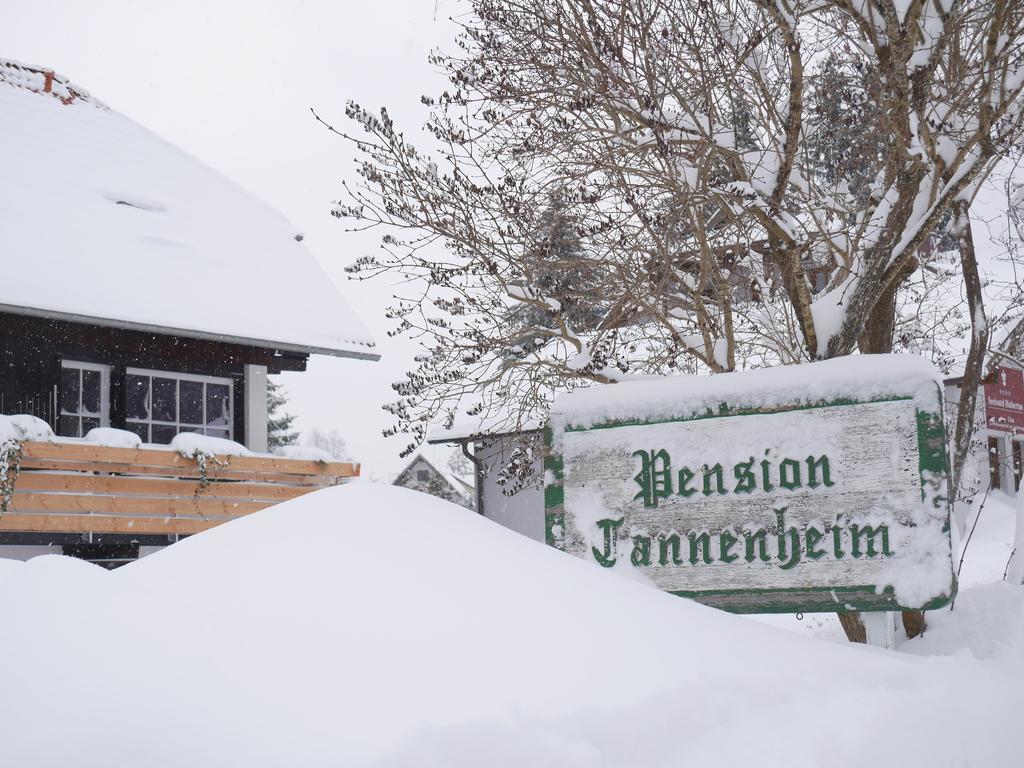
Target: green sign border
x,y
933,465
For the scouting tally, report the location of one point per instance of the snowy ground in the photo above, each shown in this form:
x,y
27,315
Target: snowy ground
x,y
370,625
983,566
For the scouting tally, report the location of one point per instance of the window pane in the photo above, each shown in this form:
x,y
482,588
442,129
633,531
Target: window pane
x,y
163,434
165,397
137,397
88,424
186,428
91,386
217,433
67,426
218,405
142,430
69,390
190,402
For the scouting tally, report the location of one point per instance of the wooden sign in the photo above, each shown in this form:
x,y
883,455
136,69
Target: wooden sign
x,y
775,499
1004,400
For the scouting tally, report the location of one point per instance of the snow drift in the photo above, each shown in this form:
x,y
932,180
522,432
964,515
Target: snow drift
x,y
369,625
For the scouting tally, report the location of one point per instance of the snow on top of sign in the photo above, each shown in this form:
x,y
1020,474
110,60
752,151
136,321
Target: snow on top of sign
x,y
327,649
860,377
103,221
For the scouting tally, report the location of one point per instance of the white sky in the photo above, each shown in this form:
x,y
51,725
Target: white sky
x,y
232,83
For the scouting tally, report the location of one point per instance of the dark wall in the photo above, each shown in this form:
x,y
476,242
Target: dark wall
x,y
31,350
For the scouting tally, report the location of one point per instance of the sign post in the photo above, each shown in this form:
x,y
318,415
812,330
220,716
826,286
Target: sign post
x,y
820,487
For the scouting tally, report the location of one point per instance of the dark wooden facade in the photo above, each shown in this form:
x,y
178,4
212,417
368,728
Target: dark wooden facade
x,y
31,350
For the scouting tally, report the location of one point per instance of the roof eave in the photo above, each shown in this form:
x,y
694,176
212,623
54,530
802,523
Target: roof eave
x,y
188,333
463,438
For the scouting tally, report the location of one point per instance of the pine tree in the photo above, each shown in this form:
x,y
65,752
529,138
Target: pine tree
x,y
279,423
560,271
846,133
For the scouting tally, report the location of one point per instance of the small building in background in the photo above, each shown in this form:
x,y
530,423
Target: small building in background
x,y
492,447
423,476
997,458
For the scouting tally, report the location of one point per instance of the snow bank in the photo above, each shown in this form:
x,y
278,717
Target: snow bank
x,y
370,625
861,377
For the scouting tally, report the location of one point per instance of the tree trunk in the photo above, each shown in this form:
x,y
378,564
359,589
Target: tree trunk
x,y
854,627
974,367
876,338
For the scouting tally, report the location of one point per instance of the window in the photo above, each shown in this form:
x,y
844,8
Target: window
x,y
84,397
422,475
160,404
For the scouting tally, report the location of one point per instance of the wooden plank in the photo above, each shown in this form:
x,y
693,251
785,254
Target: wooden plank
x,y
128,505
141,471
120,485
102,453
146,457
56,523
880,629
293,466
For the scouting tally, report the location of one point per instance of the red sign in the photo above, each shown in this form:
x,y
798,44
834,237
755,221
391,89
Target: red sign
x,y
1004,401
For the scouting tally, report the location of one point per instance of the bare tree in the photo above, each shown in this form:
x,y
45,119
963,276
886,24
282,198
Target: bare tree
x,y
332,442
674,139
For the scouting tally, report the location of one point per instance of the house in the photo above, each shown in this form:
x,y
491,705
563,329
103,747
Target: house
x,y
422,475
997,459
139,288
491,444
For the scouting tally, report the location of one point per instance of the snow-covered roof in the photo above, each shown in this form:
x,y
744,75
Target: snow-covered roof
x,y
467,427
102,221
462,486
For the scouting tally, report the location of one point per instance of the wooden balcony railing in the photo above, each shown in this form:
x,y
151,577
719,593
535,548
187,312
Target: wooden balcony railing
x,y
83,488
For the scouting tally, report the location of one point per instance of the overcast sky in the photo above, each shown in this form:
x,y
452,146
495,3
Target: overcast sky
x,y
232,83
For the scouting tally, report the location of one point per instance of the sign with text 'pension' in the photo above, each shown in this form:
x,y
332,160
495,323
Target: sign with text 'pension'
x,y
819,487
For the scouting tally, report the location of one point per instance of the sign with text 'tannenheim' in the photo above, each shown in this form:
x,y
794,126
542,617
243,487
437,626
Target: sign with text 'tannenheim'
x,y
768,500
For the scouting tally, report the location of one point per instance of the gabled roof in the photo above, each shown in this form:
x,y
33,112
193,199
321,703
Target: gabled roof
x,y
102,221
460,486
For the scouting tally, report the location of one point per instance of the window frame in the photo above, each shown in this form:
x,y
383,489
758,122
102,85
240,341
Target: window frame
x,y
81,365
178,377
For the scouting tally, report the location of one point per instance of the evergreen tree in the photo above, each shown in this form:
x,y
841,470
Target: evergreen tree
x,y
846,133
279,423
560,271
